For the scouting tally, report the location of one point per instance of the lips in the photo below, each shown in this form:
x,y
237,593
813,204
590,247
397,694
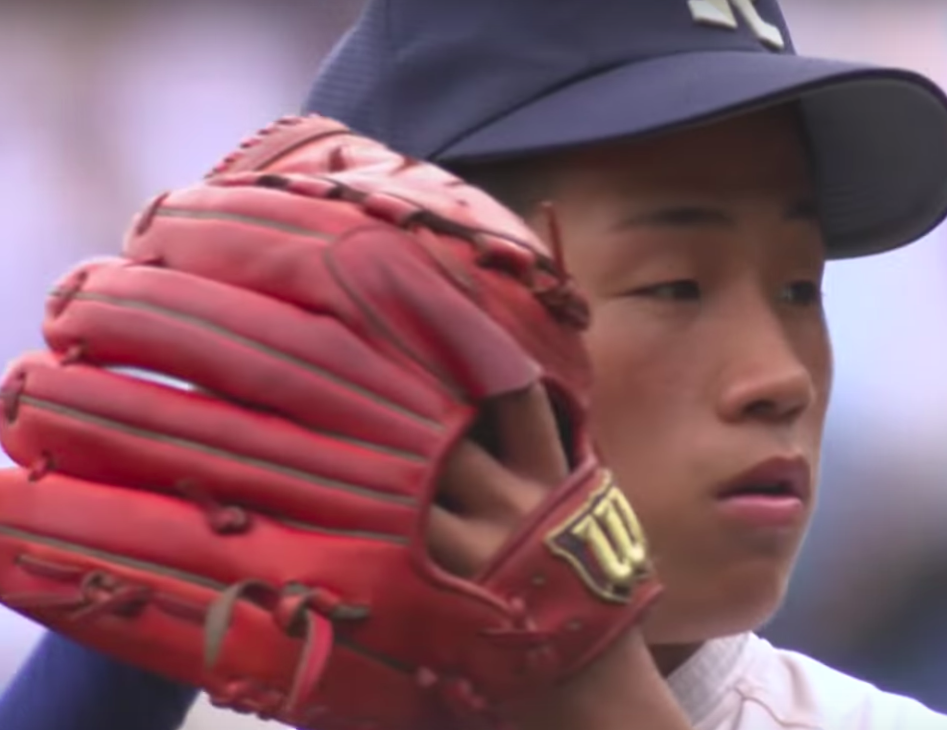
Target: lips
x,y
770,498
775,478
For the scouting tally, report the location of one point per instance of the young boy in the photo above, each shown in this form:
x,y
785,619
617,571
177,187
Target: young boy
x,y
702,174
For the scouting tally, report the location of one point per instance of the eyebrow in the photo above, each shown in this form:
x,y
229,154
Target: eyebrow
x,y
697,216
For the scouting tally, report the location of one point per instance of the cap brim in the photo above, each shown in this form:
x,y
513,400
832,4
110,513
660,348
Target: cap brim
x,y
878,136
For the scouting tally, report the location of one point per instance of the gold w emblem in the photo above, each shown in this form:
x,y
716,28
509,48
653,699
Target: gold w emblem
x,y
604,542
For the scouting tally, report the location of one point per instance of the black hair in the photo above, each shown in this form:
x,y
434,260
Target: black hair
x,y
520,184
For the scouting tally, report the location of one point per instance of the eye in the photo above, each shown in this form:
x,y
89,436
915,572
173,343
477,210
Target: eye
x,y
802,293
682,290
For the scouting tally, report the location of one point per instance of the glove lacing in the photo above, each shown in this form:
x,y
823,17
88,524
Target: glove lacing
x,y
299,611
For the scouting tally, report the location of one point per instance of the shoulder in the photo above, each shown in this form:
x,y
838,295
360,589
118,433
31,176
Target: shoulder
x,y
785,689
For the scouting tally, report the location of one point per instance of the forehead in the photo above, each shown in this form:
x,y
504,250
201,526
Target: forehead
x,y
762,150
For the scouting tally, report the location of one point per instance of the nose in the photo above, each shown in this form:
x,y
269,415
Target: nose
x,y
767,380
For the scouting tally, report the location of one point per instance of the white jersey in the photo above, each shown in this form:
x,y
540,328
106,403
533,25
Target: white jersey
x,y
744,683
740,683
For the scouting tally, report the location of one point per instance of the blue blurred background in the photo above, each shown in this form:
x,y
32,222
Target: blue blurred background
x,y
105,102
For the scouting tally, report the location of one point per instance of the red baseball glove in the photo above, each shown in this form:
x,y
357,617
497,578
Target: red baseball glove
x,y
233,450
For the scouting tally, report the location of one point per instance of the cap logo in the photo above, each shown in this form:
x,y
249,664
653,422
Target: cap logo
x,y
720,13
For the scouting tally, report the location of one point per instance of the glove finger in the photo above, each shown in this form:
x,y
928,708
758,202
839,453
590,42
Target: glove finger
x,y
183,567
311,368
171,533
79,577
253,238
286,244
161,438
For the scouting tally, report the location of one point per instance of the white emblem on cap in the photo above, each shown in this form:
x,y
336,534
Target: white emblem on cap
x,y
720,13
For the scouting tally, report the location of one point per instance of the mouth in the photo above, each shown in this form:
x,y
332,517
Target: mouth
x,y
776,478
775,489
772,494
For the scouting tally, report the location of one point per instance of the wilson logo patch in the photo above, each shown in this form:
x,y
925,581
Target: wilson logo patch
x,y
604,543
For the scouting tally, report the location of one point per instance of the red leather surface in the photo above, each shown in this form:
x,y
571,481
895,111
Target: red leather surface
x,y
338,325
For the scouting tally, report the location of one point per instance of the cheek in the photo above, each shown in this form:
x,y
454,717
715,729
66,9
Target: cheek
x,y
818,357
824,367
807,337
646,387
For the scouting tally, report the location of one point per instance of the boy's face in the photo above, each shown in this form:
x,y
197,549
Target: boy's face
x,y
703,260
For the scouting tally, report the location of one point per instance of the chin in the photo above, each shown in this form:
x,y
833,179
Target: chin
x,y
711,612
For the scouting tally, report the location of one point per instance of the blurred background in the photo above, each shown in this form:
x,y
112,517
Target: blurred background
x,y
105,103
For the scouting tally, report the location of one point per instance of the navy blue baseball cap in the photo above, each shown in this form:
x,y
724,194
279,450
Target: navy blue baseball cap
x,y
476,80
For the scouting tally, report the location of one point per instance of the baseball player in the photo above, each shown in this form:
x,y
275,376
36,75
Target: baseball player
x,y
701,174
